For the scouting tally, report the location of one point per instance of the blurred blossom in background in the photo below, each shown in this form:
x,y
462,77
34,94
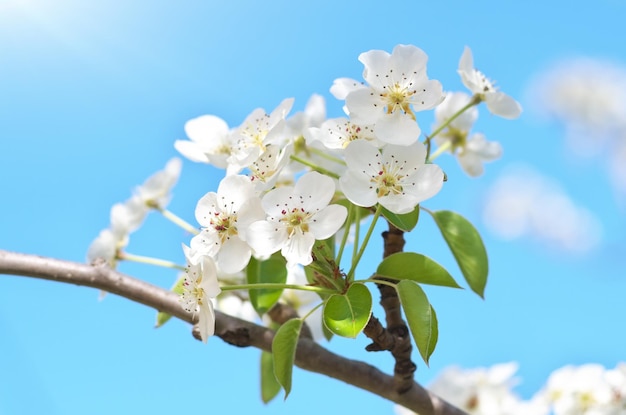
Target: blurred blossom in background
x,y
587,96
525,203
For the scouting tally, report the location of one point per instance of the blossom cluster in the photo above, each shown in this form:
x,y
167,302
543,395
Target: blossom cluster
x,y
288,179
128,216
589,389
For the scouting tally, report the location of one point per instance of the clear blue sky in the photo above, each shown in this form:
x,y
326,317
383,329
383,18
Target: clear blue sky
x,y
93,95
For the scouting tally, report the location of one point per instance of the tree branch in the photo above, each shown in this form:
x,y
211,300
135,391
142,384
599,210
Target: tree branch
x,y
396,337
309,355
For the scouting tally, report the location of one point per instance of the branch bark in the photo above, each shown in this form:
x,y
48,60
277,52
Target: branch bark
x,y
309,355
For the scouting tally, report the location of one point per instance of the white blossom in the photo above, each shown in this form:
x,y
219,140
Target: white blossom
x,y
524,203
209,141
296,217
106,247
223,216
199,287
337,133
313,115
497,102
582,390
471,150
394,176
482,391
258,130
155,191
128,216
265,171
397,87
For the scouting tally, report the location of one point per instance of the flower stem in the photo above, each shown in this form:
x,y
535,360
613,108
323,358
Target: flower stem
x,y
357,234
315,167
125,256
325,155
474,101
277,286
378,281
311,311
178,221
439,151
346,232
379,210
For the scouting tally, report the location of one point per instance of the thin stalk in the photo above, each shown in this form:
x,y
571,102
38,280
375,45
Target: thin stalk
x,y
439,151
378,281
314,166
379,210
325,155
277,286
474,101
311,311
177,220
346,233
125,256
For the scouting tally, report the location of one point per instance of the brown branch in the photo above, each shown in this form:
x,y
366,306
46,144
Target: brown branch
x,y
396,338
309,355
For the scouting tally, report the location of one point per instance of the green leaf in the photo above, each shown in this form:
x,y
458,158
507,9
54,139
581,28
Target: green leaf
x,y
415,267
406,221
347,314
272,270
466,246
284,351
421,317
163,317
269,385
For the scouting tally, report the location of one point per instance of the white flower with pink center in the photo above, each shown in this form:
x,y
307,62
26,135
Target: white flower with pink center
x,y
394,176
223,216
296,217
199,287
397,88
497,102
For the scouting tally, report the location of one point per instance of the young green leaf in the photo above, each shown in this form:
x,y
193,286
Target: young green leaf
x,y
284,352
272,270
269,385
466,246
421,317
415,267
347,314
405,222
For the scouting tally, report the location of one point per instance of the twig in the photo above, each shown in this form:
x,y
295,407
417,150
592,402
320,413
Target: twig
x,y
309,355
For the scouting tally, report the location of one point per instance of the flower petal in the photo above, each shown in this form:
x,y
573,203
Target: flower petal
x,y
314,190
358,189
466,63
364,106
206,321
266,237
327,221
234,255
298,249
397,128
503,105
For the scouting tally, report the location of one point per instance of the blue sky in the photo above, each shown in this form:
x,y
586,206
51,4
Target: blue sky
x,y
92,97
